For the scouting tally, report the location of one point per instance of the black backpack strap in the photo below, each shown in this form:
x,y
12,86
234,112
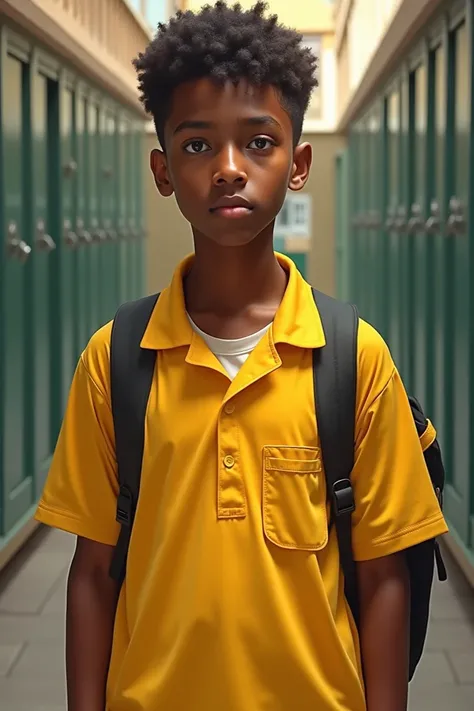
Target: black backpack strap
x,y
131,374
335,383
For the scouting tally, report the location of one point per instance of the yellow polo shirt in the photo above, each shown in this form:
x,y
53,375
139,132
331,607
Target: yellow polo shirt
x,y
234,597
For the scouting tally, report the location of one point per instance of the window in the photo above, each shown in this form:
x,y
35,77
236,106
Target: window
x,y
294,219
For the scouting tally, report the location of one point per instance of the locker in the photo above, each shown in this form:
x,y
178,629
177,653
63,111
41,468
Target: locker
x,y
405,246
418,276
436,233
125,193
68,240
94,187
16,480
108,204
44,246
457,343
393,168
139,245
84,236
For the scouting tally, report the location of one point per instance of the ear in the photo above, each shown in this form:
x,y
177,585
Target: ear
x,y
159,169
302,159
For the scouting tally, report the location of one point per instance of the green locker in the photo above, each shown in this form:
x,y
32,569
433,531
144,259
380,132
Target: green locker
x,y
435,230
393,168
84,236
108,206
68,241
16,481
125,181
405,245
44,380
138,188
457,339
93,194
418,276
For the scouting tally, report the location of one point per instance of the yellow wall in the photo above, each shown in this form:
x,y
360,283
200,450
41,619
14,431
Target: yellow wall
x,y
305,15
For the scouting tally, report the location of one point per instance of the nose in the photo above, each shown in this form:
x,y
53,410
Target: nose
x,y
230,167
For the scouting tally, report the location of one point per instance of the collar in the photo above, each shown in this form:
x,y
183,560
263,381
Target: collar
x,y
297,321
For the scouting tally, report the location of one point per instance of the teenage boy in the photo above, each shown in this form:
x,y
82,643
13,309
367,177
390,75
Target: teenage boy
x,y
234,598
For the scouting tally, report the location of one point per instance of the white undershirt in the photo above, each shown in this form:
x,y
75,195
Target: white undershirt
x,y
233,353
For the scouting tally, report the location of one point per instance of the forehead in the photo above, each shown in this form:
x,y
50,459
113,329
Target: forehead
x,y
225,104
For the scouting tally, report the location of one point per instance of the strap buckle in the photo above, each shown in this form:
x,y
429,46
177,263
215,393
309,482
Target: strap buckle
x,y
343,495
125,507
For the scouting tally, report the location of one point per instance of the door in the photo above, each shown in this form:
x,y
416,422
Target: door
x,y
84,237
139,286
437,241
418,275
16,480
93,202
109,251
68,243
457,266
44,247
393,146
125,226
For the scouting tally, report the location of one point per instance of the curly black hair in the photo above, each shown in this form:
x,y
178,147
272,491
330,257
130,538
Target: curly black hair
x,y
226,43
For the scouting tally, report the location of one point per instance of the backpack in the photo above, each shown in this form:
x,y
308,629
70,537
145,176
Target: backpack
x,y
335,380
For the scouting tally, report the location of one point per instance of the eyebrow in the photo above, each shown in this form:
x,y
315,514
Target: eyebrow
x,y
252,121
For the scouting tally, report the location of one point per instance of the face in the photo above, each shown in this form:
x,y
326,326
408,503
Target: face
x,y
229,159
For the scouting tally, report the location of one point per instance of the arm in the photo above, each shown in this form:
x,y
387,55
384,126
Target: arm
x,y
91,604
384,593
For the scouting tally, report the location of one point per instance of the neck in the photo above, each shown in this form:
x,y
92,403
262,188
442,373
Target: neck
x,y
228,280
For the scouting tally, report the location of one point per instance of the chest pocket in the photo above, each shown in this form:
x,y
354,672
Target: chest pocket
x,y
294,498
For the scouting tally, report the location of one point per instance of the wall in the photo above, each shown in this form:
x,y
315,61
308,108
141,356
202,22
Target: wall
x,y
307,15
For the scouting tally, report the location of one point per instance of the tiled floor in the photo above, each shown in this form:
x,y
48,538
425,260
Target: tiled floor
x,y
32,630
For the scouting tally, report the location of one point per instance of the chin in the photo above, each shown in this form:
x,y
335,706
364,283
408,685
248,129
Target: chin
x,y
235,239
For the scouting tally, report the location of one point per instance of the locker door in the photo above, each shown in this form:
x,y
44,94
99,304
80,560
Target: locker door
x,y
362,236
458,493
83,235
16,482
109,260
140,253
405,245
124,230
375,257
436,234
391,211
417,265
93,201
68,243
42,258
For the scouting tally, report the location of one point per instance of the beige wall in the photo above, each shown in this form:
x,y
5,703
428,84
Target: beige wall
x,y
169,235
321,258
370,37
306,15
98,37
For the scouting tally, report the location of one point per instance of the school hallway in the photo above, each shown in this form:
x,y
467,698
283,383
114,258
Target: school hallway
x,y
32,597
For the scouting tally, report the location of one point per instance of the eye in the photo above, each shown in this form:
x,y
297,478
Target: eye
x,y
261,143
196,146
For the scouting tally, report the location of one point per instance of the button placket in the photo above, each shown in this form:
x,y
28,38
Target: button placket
x,y
231,491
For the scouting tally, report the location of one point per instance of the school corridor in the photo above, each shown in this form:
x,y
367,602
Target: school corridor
x,y
32,606
384,221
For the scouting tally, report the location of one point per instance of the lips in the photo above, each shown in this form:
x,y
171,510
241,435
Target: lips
x,y
232,205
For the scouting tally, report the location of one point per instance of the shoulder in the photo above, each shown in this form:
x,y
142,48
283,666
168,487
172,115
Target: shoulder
x,y
375,366
95,358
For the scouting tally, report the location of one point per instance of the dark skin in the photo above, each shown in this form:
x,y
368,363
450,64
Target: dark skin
x,y
229,161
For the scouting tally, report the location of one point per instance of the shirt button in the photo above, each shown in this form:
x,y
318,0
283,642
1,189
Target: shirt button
x,y
229,461
229,409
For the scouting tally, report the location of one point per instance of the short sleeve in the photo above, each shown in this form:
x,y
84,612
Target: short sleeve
x,y
81,488
396,506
